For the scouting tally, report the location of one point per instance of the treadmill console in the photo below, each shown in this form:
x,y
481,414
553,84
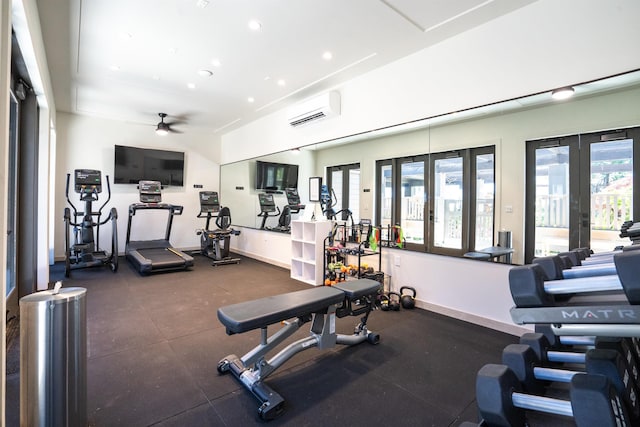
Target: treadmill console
x,y
267,203
150,191
209,202
87,181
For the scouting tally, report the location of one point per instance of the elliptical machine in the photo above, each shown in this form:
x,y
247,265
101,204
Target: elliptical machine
x,y
85,251
214,244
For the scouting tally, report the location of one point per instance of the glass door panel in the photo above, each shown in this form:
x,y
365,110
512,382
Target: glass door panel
x,y
551,200
611,192
354,194
386,192
484,202
336,187
12,196
447,208
412,193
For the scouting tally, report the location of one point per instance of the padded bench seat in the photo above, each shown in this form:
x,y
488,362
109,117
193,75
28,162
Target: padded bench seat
x,y
260,313
355,289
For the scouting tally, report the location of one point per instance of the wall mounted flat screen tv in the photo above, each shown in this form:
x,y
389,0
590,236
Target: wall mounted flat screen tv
x,y
276,176
134,164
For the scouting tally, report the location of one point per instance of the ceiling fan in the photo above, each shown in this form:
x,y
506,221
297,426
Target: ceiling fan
x,y
165,128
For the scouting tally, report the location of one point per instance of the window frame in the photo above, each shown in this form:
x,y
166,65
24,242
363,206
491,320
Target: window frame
x,y
345,169
469,189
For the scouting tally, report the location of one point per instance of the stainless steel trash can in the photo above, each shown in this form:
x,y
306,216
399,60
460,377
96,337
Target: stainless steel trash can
x,y
504,241
53,358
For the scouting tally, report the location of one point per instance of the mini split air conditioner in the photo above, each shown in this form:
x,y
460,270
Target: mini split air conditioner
x,y
313,109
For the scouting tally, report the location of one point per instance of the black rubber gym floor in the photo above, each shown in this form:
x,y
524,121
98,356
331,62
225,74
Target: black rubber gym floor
x,y
155,341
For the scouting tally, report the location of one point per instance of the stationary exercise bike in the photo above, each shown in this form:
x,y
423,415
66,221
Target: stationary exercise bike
x,y
85,251
267,206
214,244
293,206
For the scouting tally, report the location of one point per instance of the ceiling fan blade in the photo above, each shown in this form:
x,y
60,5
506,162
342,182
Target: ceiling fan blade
x,y
172,130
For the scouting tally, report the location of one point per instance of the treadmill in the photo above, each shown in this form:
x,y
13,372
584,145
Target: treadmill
x,y
151,256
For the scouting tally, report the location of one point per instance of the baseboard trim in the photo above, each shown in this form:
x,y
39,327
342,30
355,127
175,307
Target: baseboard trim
x,y
262,258
507,328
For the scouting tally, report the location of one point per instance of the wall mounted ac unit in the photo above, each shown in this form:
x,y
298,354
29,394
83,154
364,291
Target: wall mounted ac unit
x,y
319,107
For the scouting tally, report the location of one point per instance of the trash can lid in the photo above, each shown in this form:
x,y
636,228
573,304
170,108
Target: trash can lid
x,y
63,295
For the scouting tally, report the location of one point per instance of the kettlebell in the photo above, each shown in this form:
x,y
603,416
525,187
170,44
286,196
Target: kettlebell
x,y
384,302
408,300
394,301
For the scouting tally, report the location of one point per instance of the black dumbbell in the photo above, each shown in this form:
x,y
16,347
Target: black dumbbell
x,y
501,403
629,347
556,268
533,376
545,352
530,289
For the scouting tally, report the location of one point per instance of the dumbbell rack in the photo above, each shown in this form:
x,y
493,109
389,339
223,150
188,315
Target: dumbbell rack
x,y
577,298
614,313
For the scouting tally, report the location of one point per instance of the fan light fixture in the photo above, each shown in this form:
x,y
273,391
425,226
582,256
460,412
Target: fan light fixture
x,y
563,93
163,128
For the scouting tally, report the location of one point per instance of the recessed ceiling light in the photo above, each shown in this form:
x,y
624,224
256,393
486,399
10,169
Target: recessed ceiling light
x,y
173,50
202,3
205,73
191,85
563,93
281,82
255,25
114,68
216,62
327,55
267,78
250,99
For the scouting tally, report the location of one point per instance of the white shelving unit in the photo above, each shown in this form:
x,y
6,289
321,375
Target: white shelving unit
x,y
307,250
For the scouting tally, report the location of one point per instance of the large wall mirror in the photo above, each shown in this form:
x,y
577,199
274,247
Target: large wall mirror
x,y
446,157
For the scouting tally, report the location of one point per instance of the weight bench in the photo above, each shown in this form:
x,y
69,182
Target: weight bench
x,y
320,306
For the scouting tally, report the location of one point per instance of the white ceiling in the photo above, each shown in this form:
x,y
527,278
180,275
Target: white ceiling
x,y
158,47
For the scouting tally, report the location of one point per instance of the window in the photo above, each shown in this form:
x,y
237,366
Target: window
x,y
344,185
447,203
482,198
459,215
580,190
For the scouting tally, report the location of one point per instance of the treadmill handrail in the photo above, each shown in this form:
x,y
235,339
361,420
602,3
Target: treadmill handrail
x,y
175,209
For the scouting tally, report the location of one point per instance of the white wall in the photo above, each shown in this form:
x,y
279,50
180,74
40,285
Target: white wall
x,y
88,143
474,291
507,132
268,246
471,290
544,45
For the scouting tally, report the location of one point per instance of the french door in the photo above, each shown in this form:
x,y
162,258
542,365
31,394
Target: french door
x,y
345,182
580,190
